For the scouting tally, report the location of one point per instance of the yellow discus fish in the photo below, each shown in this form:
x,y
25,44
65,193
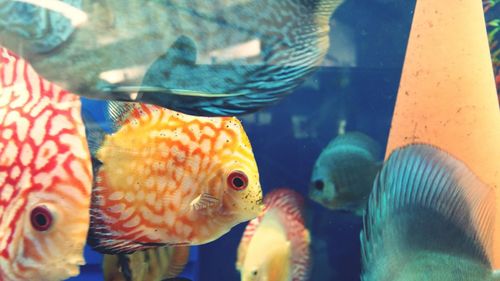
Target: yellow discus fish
x,y
275,245
167,178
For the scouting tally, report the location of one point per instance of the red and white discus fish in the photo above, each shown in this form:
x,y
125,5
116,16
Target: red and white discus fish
x,y
168,178
45,176
275,245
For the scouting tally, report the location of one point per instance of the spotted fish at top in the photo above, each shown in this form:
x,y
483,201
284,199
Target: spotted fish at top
x,y
199,57
166,178
45,176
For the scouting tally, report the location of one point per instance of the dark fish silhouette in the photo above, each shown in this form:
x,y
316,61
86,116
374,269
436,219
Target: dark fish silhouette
x,y
225,59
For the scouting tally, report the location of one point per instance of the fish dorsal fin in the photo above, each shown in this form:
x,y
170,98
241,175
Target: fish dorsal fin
x,y
178,261
183,51
425,200
119,113
181,56
356,141
245,240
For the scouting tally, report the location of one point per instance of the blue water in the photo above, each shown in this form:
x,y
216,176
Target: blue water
x,y
288,137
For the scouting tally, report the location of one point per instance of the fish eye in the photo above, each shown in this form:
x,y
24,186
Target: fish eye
x,y
254,273
237,180
41,218
319,185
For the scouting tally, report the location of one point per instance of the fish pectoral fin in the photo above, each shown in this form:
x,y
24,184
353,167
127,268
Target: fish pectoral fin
x,y
204,201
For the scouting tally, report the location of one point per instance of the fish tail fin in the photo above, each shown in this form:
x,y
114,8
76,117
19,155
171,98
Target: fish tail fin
x,y
356,141
425,200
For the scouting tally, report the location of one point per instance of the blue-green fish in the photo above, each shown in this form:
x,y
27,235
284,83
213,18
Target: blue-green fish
x,y
342,177
429,218
200,57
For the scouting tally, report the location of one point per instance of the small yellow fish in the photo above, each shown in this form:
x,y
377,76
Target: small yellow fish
x,y
168,178
151,264
343,174
275,245
45,176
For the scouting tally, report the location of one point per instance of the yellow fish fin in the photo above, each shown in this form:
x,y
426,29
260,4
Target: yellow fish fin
x,y
178,260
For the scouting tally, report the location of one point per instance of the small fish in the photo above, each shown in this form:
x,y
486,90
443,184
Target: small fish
x,y
225,60
343,174
429,218
275,245
45,176
166,178
151,264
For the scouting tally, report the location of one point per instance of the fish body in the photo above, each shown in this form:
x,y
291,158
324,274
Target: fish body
x,y
224,60
151,264
167,178
275,245
343,174
45,176
428,218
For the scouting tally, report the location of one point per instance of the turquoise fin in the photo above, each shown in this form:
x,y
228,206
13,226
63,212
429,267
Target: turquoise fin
x,y
425,201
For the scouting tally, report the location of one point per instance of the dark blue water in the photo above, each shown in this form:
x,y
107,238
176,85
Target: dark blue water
x,y
288,137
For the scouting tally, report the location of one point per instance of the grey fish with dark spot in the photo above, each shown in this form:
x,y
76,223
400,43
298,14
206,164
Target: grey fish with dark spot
x,y
342,177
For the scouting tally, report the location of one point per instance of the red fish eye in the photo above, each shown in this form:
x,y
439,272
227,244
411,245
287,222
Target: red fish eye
x,y
237,180
41,218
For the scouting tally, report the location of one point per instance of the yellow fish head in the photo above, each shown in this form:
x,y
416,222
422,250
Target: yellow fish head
x,y
240,178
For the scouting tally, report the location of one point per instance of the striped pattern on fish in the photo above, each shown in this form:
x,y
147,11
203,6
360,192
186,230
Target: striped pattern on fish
x,y
164,180
45,176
